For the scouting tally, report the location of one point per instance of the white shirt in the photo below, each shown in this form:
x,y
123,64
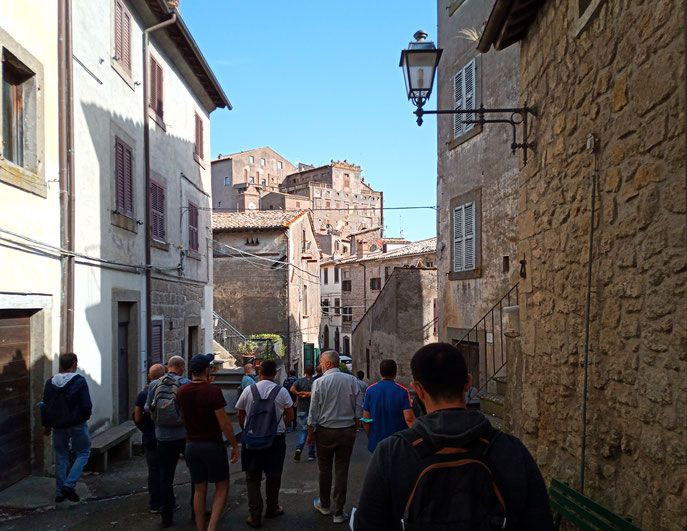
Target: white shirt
x,y
281,402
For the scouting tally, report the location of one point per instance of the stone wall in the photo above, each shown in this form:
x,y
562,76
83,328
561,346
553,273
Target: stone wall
x,y
622,79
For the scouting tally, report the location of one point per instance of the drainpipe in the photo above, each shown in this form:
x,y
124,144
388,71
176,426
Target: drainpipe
x,y
146,158
66,178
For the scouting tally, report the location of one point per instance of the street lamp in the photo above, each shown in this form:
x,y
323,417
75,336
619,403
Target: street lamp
x,y
420,61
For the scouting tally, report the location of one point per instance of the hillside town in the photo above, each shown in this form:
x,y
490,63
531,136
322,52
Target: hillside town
x,y
265,306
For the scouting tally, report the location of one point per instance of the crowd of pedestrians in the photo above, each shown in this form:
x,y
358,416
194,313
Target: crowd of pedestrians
x,y
436,464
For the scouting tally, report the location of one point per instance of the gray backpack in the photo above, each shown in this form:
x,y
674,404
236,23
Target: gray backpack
x,y
262,424
164,408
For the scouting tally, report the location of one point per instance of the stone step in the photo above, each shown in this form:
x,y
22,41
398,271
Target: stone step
x,y
501,384
492,403
496,422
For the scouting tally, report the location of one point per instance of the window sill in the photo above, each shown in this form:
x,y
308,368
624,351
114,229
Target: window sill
x,y
157,119
453,144
194,255
124,222
22,178
198,160
126,76
465,275
163,246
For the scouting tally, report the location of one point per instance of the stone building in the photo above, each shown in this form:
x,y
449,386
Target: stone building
x,y
400,321
330,293
608,173
364,275
266,271
477,180
241,180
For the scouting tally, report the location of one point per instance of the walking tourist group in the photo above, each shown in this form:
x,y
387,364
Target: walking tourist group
x,y
435,463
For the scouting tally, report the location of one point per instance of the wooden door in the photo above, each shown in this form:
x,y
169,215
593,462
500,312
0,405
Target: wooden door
x,y
123,371
15,415
470,352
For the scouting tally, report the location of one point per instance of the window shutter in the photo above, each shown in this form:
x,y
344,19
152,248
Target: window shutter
x,y
128,181
469,92
119,15
120,176
458,251
160,106
469,239
152,97
458,103
157,206
126,39
192,227
200,137
156,343
161,201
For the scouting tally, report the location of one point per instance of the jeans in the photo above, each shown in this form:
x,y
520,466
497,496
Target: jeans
x,y
334,448
302,419
153,460
168,455
80,445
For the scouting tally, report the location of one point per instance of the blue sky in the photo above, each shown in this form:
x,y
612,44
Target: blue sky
x,y
319,80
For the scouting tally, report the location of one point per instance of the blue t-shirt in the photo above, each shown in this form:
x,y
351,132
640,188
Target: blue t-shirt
x,y
386,401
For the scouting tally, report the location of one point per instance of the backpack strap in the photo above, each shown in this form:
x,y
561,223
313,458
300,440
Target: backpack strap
x,y
420,445
273,393
256,394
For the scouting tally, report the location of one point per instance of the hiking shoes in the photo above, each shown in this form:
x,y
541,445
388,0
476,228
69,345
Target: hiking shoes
x,y
70,494
341,518
318,506
297,457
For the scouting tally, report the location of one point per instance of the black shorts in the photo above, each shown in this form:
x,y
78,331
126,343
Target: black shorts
x,y
207,461
270,461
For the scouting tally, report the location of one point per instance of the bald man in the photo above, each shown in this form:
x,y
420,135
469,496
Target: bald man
x,y
147,427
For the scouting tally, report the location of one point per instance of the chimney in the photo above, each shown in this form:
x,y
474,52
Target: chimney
x,y
173,4
361,248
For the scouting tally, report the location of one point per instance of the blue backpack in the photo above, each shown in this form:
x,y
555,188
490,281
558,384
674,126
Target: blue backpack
x,y
262,423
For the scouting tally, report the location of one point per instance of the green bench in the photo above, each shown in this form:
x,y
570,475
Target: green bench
x,y
584,513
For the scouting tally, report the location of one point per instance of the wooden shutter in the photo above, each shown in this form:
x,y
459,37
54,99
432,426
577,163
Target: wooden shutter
x,y
192,227
469,92
119,15
199,137
128,181
464,97
156,343
464,237
458,236
469,217
157,204
120,177
156,86
458,104
122,31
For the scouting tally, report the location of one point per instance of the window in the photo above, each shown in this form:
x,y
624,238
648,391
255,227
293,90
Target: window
x,y
122,36
337,306
464,96
157,211
347,314
336,271
387,273
219,204
280,165
192,227
227,181
251,180
155,96
305,300
298,204
252,159
198,151
326,276
325,306
435,321
347,180
375,283
263,182
346,272
156,343
464,237
346,285
262,162
124,169
328,204
18,111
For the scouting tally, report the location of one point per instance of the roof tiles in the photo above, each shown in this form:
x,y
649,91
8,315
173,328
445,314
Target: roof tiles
x,y
254,220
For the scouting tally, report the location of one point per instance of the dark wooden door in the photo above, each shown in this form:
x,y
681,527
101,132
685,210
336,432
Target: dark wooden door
x,y
15,424
123,370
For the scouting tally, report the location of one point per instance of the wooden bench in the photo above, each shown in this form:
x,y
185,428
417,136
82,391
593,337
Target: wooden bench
x,y
586,514
113,443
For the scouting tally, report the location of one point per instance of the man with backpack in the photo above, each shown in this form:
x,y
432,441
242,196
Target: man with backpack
x,y
451,470
169,430
264,411
65,409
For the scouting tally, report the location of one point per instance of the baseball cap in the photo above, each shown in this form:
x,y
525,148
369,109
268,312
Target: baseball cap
x,y
200,362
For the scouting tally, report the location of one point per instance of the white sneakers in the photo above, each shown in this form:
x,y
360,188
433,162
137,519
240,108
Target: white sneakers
x,y
338,518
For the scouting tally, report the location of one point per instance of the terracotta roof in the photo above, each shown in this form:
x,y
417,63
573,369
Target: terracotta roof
x,y
508,23
254,220
420,247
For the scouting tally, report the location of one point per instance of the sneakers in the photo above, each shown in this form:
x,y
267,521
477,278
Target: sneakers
x,y
312,458
297,457
341,517
318,506
70,494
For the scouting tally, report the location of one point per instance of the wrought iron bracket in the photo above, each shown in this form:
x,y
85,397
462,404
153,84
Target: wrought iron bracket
x,y
518,116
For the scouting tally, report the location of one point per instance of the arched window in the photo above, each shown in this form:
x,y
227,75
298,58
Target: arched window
x,y
325,342
336,340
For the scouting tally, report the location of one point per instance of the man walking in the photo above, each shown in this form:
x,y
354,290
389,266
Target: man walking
x,y
387,408
248,377
169,430
475,476
264,411
361,382
202,405
302,389
335,410
145,423
65,409
288,384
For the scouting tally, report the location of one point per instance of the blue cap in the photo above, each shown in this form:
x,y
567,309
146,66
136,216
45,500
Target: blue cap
x,y
200,362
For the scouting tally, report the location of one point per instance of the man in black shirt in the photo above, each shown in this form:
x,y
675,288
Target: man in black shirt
x,y
147,427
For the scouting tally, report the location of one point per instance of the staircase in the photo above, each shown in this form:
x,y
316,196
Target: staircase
x,y
492,334
228,337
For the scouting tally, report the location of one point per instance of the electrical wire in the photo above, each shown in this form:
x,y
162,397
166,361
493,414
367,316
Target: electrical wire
x,y
355,210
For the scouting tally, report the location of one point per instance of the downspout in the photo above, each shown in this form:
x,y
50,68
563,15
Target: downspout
x,y
146,159
288,300
66,178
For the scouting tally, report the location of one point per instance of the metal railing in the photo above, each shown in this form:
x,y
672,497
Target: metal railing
x,y
227,335
489,337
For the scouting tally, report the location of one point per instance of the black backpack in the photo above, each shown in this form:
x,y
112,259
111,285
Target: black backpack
x,y
455,489
56,413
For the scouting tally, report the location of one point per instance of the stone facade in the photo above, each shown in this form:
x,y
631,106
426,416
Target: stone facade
x,y
399,322
616,72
